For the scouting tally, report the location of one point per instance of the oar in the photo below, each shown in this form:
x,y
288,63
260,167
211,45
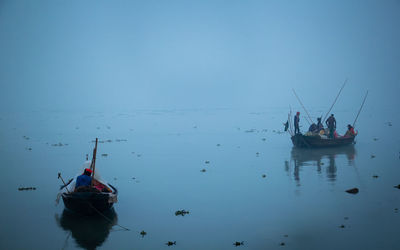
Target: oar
x,y
59,177
94,161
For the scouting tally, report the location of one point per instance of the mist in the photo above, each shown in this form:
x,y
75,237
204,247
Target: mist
x,y
126,55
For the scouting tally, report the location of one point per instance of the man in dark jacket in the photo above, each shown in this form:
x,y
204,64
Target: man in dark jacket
x,y
296,123
331,123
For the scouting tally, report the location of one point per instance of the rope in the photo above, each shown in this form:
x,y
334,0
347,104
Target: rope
x,y
108,219
334,101
309,117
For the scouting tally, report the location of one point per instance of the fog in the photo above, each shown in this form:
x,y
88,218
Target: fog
x,y
126,55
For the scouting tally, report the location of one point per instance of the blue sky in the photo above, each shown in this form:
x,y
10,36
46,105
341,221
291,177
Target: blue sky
x,y
195,54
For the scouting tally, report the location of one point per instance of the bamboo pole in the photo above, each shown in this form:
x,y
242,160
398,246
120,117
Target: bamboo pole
x,y
309,117
354,123
334,101
93,166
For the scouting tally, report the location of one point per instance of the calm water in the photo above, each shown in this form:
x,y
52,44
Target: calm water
x,y
155,159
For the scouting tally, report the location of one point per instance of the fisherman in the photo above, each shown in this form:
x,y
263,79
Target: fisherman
x,y
85,179
331,123
296,123
313,128
350,131
320,126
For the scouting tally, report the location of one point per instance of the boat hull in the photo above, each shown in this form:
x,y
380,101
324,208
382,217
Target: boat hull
x,y
316,141
89,202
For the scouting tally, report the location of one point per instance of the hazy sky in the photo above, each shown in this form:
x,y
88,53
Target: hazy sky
x,y
195,54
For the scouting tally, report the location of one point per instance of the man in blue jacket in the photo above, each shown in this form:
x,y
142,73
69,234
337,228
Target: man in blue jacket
x,y
84,179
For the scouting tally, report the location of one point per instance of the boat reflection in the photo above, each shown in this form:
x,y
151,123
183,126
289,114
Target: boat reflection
x,y
89,232
321,158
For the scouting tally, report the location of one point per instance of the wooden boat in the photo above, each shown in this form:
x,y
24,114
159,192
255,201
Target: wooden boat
x,y
100,196
316,141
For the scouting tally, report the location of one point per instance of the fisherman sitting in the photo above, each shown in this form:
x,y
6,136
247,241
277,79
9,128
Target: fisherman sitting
x,y
350,131
313,128
85,179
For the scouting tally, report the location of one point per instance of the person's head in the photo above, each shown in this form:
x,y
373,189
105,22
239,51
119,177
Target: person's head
x,y
332,115
319,119
87,172
298,113
349,126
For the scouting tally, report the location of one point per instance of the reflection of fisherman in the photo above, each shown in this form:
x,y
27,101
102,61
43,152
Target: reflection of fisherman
x,y
296,123
331,123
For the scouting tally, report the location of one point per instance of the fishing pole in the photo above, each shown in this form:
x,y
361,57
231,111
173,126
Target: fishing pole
x,y
334,101
309,117
360,108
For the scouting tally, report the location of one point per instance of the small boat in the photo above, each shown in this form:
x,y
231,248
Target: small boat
x,y
316,141
100,196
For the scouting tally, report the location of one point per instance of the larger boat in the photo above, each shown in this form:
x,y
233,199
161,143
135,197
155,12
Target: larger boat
x,y
98,197
318,141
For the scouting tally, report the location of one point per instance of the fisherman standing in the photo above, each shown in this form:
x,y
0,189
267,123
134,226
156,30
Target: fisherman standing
x,y
296,123
331,123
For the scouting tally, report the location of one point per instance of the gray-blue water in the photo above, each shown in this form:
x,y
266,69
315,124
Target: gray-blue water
x,y
155,159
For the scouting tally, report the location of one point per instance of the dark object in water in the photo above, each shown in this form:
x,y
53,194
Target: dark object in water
x,y
373,156
315,141
104,155
26,188
398,186
203,170
375,176
143,233
342,226
352,191
170,243
181,212
263,176
282,243
207,162
237,243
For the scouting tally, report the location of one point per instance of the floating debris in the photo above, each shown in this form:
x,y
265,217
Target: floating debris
x,y
375,176
108,140
207,162
342,226
203,170
29,149
25,137
108,127
396,210
251,130
98,127
143,233
218,145
263,139
257,154
119,140
58,144
264,175
373,156
346,218
104,155
237,243
398,186
352,191
282,244
286,236
389,124
26,188
138,155
182,212
170,243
